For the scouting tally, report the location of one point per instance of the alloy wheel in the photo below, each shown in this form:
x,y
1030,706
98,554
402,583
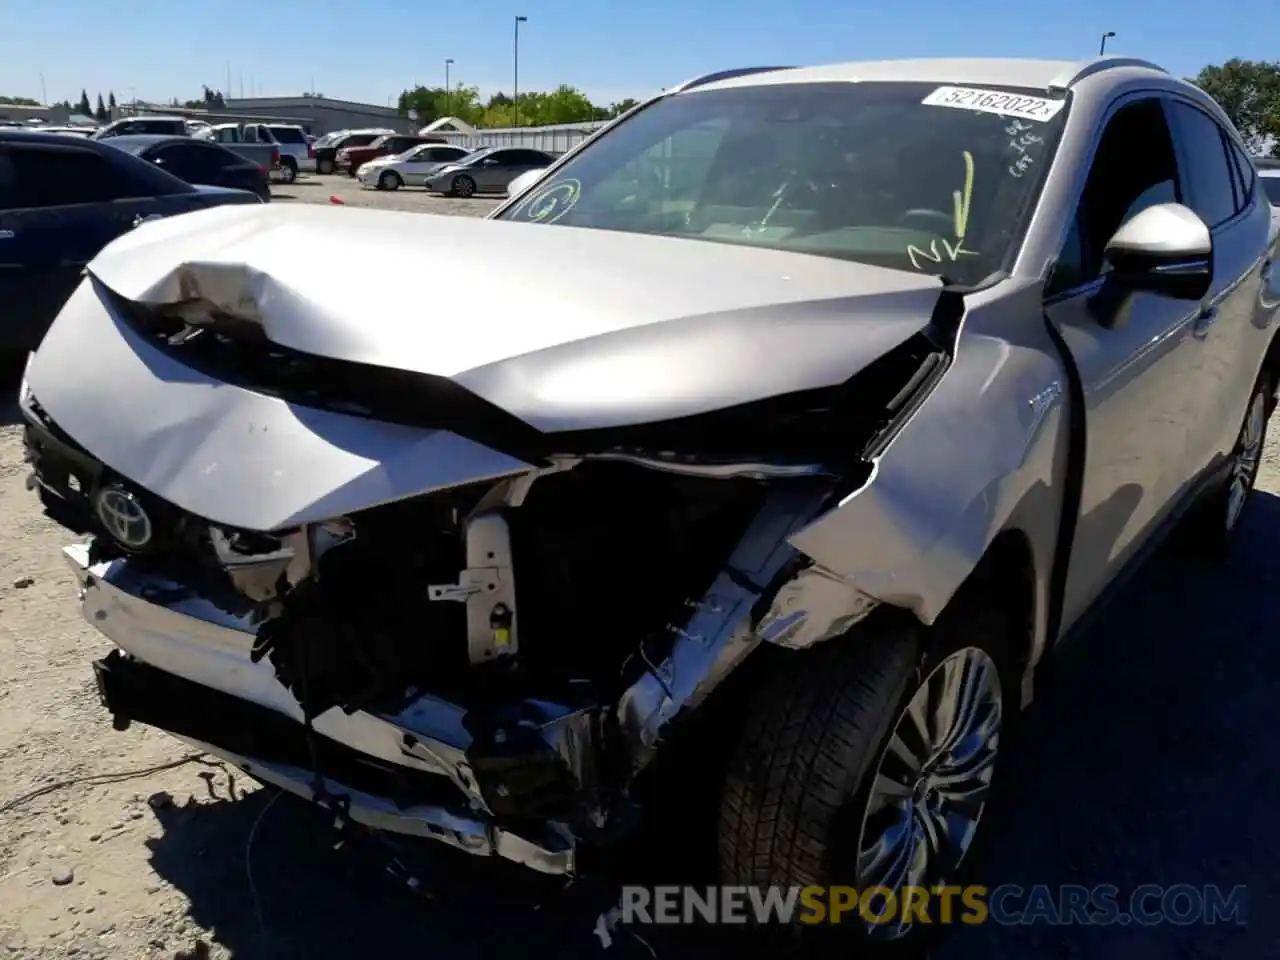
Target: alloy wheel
x,y
932,783
1244,466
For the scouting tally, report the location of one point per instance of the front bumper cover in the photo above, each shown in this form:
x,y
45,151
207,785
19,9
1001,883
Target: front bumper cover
x,y
435,770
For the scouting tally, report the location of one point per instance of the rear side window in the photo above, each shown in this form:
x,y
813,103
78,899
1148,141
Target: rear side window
x,y
53,177
171,128
360,140
1210,181
1271,187
288,135
1248,177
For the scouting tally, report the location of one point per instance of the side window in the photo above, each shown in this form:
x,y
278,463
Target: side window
x,y
189,163
1244,168
1208,178
1117,188
53,177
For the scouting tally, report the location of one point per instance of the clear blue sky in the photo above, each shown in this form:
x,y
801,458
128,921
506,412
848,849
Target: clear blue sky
x,y
372,49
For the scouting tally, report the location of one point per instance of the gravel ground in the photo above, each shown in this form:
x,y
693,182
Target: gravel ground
x,y
1148,762
318,189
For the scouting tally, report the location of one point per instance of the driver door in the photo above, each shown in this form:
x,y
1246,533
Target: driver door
x,y
1137,355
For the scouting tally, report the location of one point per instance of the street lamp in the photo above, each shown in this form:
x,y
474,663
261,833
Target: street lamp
x,y
447,62
1102,48
515,78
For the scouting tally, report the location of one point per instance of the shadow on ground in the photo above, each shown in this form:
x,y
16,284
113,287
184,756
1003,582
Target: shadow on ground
x,y
1149,760
11,366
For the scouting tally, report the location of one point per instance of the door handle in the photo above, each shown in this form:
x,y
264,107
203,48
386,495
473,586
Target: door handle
x,y
1205,319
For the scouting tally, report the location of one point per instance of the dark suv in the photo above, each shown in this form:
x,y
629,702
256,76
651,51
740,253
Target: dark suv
x,y
326,156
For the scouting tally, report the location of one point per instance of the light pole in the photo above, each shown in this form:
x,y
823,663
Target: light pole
x,y
1102,47
447,92
515,76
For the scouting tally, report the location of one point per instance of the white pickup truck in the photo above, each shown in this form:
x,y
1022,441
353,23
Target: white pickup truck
x,y
288,141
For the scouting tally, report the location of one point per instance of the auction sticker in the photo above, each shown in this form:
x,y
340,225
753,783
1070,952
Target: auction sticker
x,y
1040,109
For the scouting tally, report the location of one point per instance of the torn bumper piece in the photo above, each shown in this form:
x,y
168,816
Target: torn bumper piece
x,y
184,667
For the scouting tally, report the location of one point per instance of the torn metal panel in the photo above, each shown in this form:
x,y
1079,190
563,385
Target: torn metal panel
x,y
951,478
720,633
813,606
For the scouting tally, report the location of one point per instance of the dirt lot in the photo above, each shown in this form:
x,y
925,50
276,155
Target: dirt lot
x,y
317,189
1151,762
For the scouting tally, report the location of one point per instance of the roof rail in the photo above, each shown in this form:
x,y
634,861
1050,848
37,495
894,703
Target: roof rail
x,y
1087,68
721,75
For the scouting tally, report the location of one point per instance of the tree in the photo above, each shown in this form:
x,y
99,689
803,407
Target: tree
x,y
83,106
1249,92
19,101
101,113
111,101
622,106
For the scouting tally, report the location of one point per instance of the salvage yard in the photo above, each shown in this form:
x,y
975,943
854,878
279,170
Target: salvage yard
x,y
1151,763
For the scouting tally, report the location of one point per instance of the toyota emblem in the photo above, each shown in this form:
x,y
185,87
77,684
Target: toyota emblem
x,y
123,517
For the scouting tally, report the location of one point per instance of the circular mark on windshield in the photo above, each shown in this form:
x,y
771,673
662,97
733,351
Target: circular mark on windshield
x,y
554,202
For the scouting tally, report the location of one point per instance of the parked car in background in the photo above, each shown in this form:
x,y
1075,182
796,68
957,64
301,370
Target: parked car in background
x,y
199,162
159,126
410,168
523,182
247,141
1269,171
62,199
350,158
69,131
327,153
487,170
296,154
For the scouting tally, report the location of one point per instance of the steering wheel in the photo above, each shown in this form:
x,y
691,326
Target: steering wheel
x,y
934,218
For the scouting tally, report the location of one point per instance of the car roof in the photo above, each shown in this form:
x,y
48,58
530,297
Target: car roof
x,y
992,71
27,135
148,139
152,116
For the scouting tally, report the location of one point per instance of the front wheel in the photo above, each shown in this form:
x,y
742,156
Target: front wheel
x,y
463,187
868,763
324,167
288,172
390,180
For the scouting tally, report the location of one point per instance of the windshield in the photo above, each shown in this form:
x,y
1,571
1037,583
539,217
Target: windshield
x,y
903,175
1271,186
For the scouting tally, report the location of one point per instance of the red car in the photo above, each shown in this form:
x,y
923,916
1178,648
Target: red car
x,y
349,159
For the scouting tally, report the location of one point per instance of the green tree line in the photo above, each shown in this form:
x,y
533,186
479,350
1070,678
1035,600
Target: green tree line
x,y
564,104
1249,92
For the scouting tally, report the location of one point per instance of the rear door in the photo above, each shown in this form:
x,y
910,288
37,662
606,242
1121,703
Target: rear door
x,y
1234,322
59,205
427,160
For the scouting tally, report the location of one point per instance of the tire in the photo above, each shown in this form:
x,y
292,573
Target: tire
x,y
1214,524
390,180
324,167
288,170
796,800
462,187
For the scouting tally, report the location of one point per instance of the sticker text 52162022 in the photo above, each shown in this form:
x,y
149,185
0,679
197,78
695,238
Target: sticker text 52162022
x,y
1020,105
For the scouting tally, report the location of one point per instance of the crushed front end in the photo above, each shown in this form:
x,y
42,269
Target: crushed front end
x,y
375,590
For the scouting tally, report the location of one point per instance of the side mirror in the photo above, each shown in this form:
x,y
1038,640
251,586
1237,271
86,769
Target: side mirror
x,y
1165,249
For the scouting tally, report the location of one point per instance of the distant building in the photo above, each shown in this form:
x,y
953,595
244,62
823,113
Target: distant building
x,y
11,113
321,115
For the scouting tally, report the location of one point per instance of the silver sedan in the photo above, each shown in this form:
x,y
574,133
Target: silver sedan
x,y
411,168
488,170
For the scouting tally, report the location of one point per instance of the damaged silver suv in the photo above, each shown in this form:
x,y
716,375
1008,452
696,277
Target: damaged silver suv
x,y
881,373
